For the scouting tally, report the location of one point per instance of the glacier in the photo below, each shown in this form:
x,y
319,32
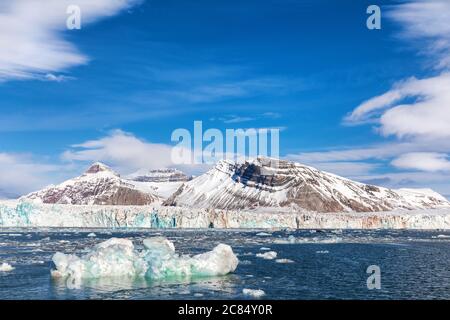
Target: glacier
x,y
156,261
14,213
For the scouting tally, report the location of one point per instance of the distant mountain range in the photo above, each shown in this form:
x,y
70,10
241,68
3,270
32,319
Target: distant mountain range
x,y
260,183
159,175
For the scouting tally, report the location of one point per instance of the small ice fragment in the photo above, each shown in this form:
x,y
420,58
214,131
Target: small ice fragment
x,y
322,251
264,249
6,267
291,239
245,262
442,236
258,293
284,261
270,255
263,234
91,235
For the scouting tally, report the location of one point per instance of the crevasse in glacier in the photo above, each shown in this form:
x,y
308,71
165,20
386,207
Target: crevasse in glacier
x,y
157,261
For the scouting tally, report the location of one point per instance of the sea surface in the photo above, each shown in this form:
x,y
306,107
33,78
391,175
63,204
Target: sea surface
x,y
325,264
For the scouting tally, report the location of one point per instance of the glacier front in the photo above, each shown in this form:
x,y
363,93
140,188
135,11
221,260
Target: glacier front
x,y
29,214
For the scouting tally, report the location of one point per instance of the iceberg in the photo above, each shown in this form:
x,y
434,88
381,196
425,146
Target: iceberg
x,y
156,261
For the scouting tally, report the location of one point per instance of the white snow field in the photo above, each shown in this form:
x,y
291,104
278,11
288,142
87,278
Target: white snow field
x,y
157,261
28,214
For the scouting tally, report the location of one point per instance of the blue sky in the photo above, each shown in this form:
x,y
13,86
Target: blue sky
x,y
137,70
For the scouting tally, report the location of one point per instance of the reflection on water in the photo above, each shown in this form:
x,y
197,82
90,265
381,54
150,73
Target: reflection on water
x,y
129,287
327,264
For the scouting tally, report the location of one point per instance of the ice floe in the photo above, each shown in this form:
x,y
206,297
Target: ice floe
x,y
255,293
6,267
157,261
269,255
284,261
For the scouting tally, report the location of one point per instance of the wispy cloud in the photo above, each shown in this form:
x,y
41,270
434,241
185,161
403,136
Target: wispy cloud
x,y
424,161
32,42
426,22
427,116
414,112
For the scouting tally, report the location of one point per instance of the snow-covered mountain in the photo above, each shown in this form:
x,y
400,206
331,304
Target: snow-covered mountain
x,y
259,183
159,175
98,185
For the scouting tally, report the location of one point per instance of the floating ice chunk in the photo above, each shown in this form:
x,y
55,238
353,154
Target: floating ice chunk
x,y
6,267
112,258
245,262
258,293
442,236
284,261
263,234
158,260
91,235
322,251
264,249
269,255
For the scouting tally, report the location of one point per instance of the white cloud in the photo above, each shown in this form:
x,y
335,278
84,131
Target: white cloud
x,y
427,116
32,43
424,161
347,168
415,112
20,174
123,151
426,21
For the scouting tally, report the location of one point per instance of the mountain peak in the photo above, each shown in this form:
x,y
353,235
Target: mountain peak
x,y
98,167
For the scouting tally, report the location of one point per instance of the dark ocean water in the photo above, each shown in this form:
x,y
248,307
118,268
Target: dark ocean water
x,y
326,264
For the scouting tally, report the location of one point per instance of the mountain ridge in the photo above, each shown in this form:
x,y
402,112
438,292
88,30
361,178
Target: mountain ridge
x,y
258,183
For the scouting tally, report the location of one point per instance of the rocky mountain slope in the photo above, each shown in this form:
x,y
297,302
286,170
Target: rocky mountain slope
x,y
259,183
98,185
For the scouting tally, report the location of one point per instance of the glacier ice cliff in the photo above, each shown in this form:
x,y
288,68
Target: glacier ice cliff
x,y
28,214
157,261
